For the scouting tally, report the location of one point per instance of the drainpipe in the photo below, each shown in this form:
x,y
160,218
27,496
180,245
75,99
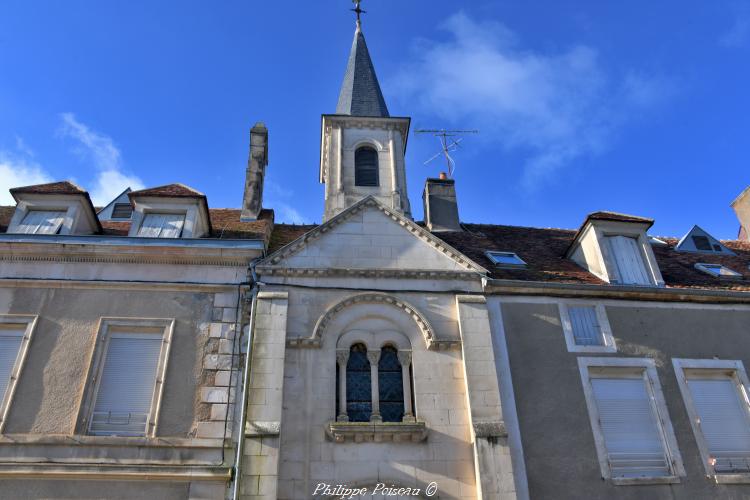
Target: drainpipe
x,y
245,385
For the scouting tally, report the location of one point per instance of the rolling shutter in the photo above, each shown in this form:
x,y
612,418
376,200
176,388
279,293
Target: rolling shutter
x,y
628,260
585,325
10,344
126,388
630,428
723,422
162,225
41,222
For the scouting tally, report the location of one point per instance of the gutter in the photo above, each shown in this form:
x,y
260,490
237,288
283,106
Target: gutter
x,y
519,287
237,472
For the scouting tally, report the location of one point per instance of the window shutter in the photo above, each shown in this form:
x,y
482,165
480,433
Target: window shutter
x,y
723,422
630,428
10,344
585,325
162,225
628,260
366,167
126,388
41,222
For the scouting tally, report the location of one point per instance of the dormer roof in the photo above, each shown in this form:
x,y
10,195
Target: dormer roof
x,y
63,189
175,190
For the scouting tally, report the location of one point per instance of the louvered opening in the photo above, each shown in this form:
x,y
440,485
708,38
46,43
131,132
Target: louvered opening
x,y
122,211
724,423
157,225
126,387
630,428
366,167
41,222
585,326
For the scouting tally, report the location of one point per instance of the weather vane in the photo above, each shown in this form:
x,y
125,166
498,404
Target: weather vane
x,y
358,10
447,145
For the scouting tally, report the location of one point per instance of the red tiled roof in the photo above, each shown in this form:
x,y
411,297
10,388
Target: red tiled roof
x,y
604,215
6,213
64,187
283,234
169,190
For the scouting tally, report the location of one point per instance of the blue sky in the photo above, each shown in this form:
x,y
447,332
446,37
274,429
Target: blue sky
x,y
638,107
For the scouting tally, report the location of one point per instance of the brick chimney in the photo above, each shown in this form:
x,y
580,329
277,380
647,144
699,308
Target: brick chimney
x,y
440,206
252,201
741,206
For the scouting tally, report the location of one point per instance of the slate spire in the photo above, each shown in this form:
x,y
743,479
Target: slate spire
x,y
360,93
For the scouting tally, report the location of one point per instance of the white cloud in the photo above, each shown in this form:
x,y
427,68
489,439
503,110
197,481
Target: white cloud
x,y
553,107
277,197
15,172
102,151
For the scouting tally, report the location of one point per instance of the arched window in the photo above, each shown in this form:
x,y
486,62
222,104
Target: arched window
x,y
366,167
391,385
358,385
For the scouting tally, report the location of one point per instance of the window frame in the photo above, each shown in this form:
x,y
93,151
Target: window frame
x,y
613,269
704,267
609,344
491,255
715,367
30,322
618,367
107,327
177,212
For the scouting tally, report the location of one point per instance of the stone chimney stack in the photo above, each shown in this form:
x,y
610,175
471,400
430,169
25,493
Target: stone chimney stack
x,y
741,206
440,206
252,201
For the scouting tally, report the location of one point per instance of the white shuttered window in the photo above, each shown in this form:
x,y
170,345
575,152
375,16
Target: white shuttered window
x,y
41,222
157,225
723,421
585,325
126,387
10,346
628,261
630,428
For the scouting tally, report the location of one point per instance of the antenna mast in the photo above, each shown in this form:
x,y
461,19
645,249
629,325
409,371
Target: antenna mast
x,y
448,144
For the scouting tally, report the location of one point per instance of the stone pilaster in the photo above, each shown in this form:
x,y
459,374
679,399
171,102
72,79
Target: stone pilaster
x,y
492,462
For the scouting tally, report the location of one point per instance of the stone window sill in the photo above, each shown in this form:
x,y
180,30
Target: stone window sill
x,y
377,432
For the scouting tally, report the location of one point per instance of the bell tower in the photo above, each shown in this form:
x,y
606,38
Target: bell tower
x,y
362,146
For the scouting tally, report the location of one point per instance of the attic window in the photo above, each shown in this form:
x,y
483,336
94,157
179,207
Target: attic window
x,y
718,271
122,211
161,225
41,222
506,259
702,243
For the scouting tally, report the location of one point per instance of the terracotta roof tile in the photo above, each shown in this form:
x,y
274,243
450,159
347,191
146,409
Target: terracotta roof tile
x,y
169,190
283,234
604,215
63,187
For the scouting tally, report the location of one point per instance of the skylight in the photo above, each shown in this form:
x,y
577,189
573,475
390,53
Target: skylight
x,y
506,259
718,271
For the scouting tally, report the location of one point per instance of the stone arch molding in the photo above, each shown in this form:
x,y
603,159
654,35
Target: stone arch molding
x,y
428,333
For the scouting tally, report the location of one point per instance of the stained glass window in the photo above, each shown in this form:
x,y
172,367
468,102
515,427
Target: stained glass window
x,y
358,385
391,385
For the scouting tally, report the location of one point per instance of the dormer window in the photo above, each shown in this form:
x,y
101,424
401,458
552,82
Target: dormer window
x,y
160,225
628,261
617,249
698,240
41,222
718,271
506,259
366,167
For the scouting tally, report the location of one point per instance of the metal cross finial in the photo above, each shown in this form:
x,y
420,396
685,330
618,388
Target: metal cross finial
x,y
358,10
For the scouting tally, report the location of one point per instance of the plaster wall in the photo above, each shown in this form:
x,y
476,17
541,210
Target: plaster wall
x,y
558,444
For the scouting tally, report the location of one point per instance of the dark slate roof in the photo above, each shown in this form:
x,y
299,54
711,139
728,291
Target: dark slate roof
x,y
360,93
176,190
64,187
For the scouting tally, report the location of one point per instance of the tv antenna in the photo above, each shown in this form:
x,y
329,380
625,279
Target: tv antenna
x,y
449,142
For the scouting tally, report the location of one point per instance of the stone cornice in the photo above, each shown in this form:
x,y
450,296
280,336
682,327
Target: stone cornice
x,y
366,273
358,207
115,472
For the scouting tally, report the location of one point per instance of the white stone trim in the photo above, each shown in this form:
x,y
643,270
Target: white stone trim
x,y
647,368
106,325
601,314
711,366
28,323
